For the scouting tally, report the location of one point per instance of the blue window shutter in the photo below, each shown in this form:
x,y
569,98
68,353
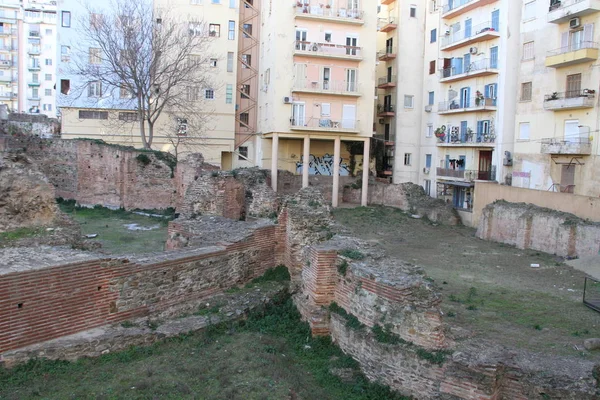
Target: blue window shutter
x,y
468,104
428,161
487,91
479,131
433,37
494,57
464,161
495,85
463,131
467,59
459,65
447,161
468,25
496,20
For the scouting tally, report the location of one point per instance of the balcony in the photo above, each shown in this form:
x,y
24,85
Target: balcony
x,y
7,78
33,83
34,67
34,50
387,82
475,69
572,100
325,125
386,110
563,10
465,37
387,2
575,53
386,24
341,88
386,55
473,104
7,95
327,50
330,14
454,8
5,63
468,139
467,174
571,146
34,34
32,97
8,32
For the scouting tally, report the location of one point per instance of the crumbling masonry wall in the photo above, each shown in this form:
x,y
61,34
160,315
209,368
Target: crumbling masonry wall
x,y
530,227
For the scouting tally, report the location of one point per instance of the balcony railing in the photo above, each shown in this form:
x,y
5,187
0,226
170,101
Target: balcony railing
x,y
11,31
327,49
386,80
467,174
6,95
34,34
387,54
573,146
470,137
326,124
34,50
573,47
464,34
473,68
5,63
570,100
386,24
561,11
383,109
471,104
324,11
327,86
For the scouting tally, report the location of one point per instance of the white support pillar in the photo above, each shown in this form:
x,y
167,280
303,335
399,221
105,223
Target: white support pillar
x,y
336,171
365,173
305,161
274,154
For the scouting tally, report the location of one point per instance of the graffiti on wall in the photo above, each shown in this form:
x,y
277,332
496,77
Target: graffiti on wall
x,y
323,165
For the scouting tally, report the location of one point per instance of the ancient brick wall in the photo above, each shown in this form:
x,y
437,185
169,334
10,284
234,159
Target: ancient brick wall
x,y
48,303
530,227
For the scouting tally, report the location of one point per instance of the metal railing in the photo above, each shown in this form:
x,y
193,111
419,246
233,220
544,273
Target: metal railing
x,y
471,103
570,94
467,137
327,86
34,34
388,51
324,11
573,47
386,79
475,66
385,108
451,5
466,34
6,94
578,140
381,22
327,48
591,293
555,5
325,123
467,174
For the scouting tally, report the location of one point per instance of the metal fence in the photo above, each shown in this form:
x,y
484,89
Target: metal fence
x,y
591,294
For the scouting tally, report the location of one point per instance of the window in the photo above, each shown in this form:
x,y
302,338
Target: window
x,y
231,3
433,36
124,92
209,94
246,60
214,30
192,94
407,157
431,98
427,160
35,78
216,1
182,126
128,116
194,61
429,132
524,131
195,28
48,61
244,118
245,89
229,94
65,86
528,51
573,85
247,28
65,18
325,109
195,2
47,92
231,32
213,62
243,153
48,77
47,107
328,37
35,93
84,114
95,89
94,55
529,12
230,61
408,101
526,91
95,20
431,67
413,11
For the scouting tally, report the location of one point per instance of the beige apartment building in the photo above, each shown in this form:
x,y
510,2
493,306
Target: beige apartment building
x,y
10,22
557,122
317,65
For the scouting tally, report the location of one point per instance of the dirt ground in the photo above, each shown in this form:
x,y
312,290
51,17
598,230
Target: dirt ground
x,y
489,289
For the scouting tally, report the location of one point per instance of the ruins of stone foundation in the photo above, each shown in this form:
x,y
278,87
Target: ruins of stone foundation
x,y
58,302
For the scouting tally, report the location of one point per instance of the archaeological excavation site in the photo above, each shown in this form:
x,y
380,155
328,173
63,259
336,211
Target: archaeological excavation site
x,y
131,274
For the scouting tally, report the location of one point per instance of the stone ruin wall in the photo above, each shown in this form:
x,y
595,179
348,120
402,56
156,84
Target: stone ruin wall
x,y
530,227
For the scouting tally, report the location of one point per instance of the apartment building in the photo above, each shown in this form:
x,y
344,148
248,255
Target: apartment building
x,y
456,101
10,21
557,124
317,63
88,113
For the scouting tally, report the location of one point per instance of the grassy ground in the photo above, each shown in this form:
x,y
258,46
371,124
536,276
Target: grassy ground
x,y
269,356
113,234
488,287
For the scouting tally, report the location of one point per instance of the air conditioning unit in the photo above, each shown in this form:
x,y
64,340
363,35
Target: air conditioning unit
x,y
473,50
426,171
428,108
381,121
574,23
287,100
508,161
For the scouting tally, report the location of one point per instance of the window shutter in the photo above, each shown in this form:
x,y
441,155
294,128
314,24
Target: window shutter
x,y
564,39
325,109
487,91
468,101
479,130
588,34
467,62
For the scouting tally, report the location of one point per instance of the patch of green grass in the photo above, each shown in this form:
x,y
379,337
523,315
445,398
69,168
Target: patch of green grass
x,y
22,233
353,254
384,335
581,333
351,321
204,311
277,274
128,324
537,327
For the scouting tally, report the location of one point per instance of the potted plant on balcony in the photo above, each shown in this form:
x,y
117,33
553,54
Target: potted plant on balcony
x,y
299,4
469,135
553,96
478,98
440,133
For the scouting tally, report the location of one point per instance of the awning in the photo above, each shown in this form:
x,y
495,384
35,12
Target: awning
x,y
456,183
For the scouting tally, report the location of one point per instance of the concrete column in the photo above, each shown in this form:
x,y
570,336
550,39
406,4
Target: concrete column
x,y
365,175
274,154
305,161
336,171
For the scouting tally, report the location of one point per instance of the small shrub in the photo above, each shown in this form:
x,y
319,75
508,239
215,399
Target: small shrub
x,y
314,204
342,268
353,254
383,335
472,307
277,274
351,321
214,174
143,159
451,314
434,357
537,327
128,324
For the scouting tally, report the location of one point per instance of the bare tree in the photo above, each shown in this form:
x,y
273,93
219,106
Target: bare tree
x,y
139,58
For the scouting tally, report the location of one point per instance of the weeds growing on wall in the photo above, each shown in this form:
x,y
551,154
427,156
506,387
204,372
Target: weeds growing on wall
x,y
353,254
